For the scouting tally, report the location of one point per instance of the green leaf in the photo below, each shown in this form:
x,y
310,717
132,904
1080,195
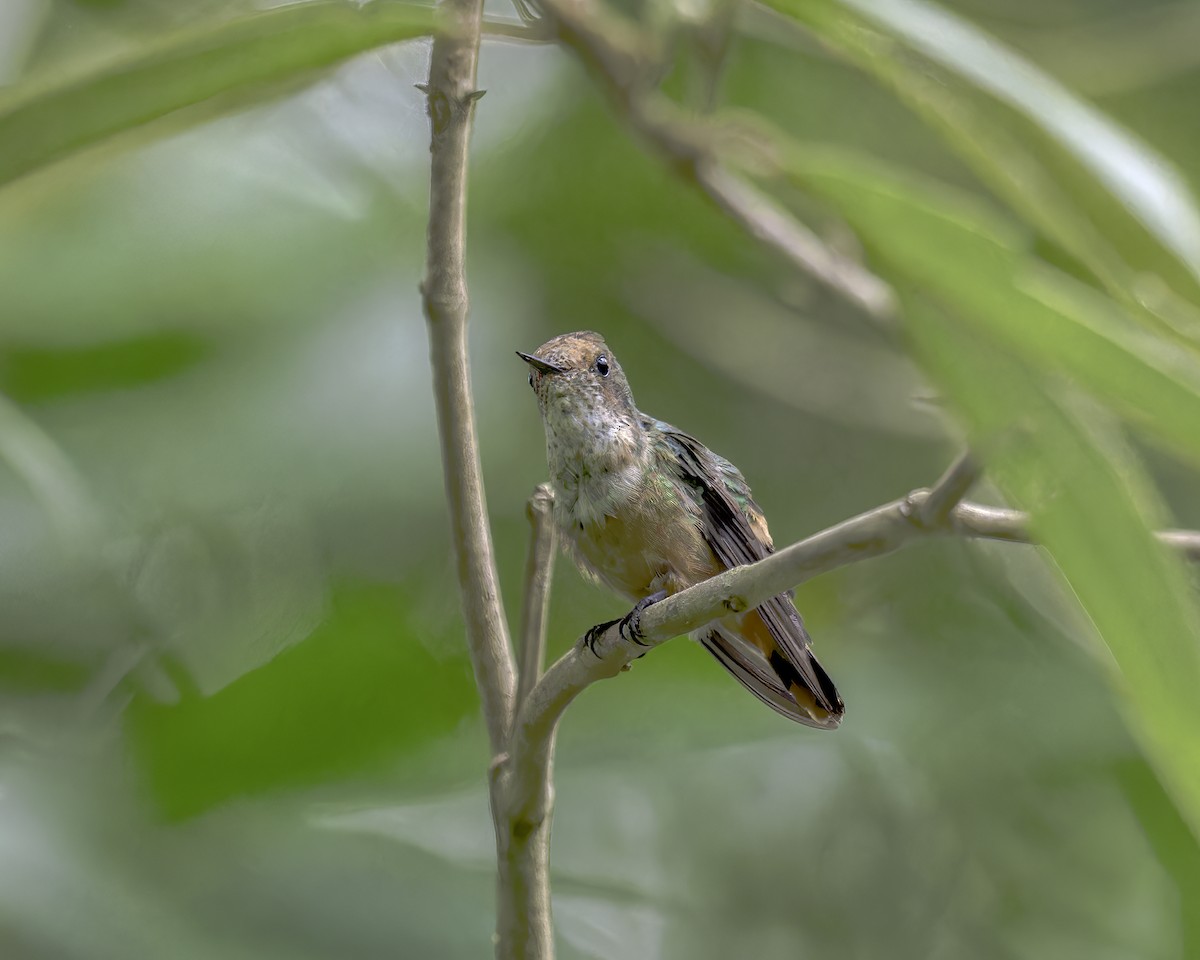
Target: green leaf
x,y
955,249
1091,507
34,670
39,127
992,330
37,374
362,690
1105,197
1173,845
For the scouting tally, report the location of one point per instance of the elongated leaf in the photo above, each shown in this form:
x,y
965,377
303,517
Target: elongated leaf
x,y
1091,508
998,334
40,127
975,263
1094,188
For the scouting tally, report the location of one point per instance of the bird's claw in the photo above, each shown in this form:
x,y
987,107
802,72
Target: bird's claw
x,y
594,634
631,624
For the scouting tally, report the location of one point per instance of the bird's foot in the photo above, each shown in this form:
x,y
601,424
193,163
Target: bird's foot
x,y
594,634
631,623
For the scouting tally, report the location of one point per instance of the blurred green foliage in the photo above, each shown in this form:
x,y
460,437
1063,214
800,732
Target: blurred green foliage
x,y
323,709
37,374
236,717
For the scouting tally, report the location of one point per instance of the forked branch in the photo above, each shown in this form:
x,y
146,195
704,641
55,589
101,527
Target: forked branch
x,y
872,534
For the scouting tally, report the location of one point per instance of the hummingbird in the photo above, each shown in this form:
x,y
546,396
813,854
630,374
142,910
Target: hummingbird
x,y
648,510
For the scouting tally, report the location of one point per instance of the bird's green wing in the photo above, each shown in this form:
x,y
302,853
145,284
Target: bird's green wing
x,y
730,518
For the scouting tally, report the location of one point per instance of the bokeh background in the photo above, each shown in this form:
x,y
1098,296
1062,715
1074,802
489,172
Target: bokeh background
x,y
236,715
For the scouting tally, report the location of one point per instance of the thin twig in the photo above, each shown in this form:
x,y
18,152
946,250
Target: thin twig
x,y
768,223
1187,542
529,31
1012,526
539,568
451,98
950,489
990,523
623,59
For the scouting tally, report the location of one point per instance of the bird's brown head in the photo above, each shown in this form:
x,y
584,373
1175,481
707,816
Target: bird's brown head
x,y
577,379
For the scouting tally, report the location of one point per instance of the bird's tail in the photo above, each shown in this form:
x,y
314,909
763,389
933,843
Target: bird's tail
x,y
801,691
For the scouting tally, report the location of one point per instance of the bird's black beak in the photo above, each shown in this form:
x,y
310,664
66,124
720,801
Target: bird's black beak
x,y
540,365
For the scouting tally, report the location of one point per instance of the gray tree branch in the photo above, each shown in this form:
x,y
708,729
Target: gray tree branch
x,y
950,489
451,97
997,523
768,223
539,569
495,28
872,534
625,62
525,929
522,855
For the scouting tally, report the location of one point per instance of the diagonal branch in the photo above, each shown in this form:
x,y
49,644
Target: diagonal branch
x,y
872,534
451,98
625,61
535,31
764,220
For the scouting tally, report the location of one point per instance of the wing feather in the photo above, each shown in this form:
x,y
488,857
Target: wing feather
x,y
752,671
728,511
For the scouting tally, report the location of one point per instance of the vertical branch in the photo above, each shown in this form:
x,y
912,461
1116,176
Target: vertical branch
x,y
524,927
451,97
539,568
522,848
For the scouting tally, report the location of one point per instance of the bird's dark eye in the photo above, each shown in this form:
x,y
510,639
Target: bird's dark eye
x,y
602,365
